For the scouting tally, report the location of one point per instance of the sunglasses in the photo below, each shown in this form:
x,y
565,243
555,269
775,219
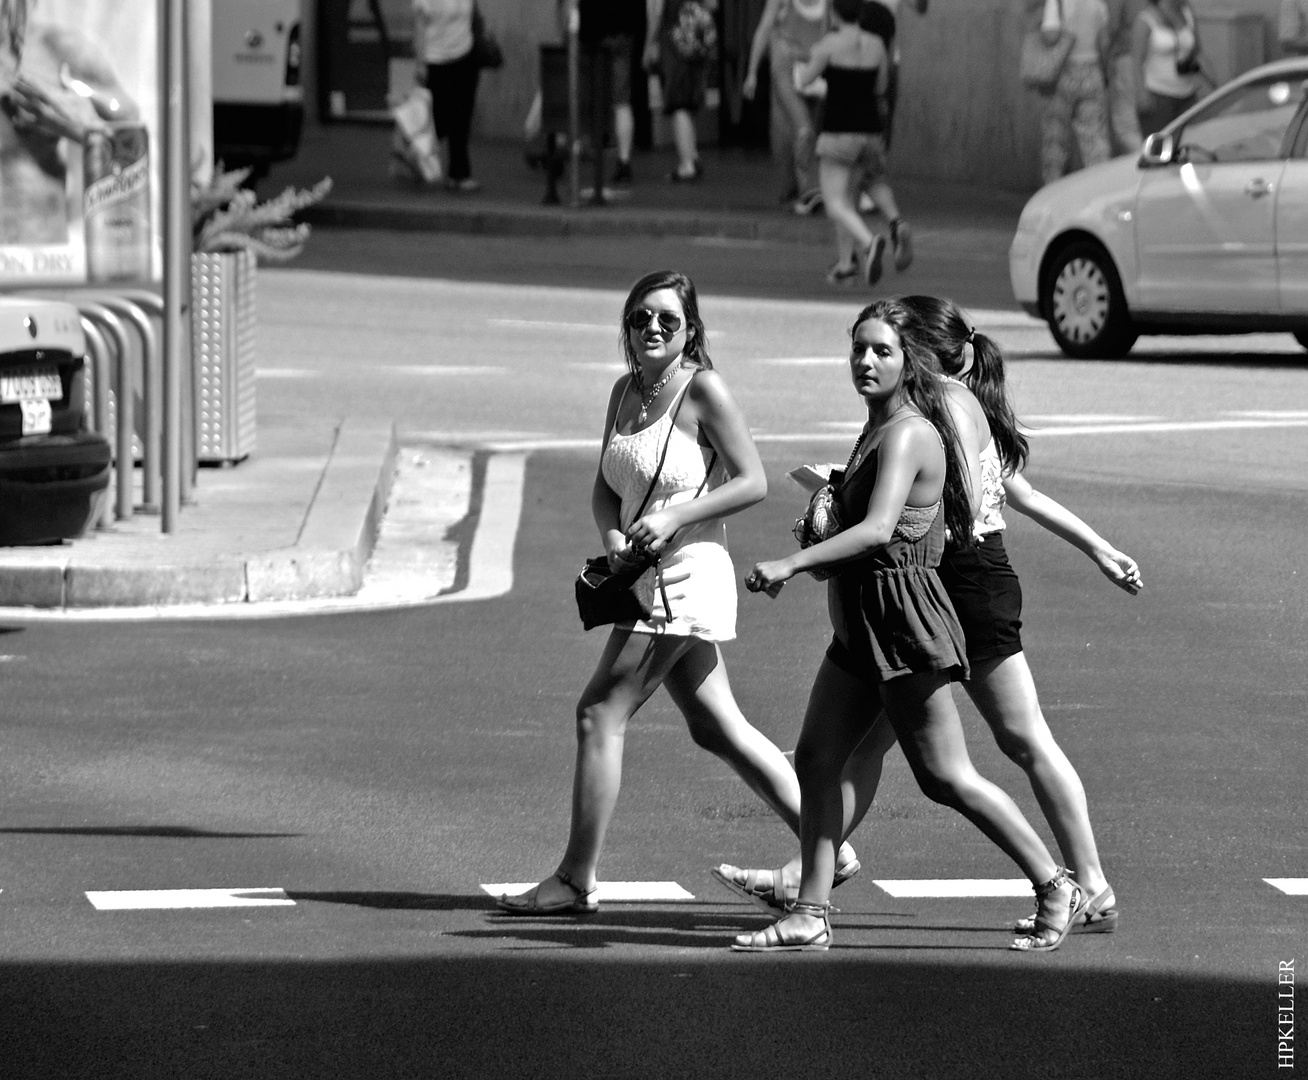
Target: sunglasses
x,y
669,321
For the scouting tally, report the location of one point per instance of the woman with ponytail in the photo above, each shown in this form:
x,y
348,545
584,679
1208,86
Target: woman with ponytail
x,y
987,597
897,644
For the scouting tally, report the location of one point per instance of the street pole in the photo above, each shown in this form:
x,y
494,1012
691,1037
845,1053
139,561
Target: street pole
x,y
176,219
574,102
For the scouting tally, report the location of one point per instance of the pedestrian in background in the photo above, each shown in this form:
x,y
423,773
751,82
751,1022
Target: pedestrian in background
x,y
614,25
1123,123
680,38
897,643
1165,51
1078,107
786,31
851,151
442,39
673,434
1292,28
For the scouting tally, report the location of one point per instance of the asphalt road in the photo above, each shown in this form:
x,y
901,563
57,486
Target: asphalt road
x,y
378,768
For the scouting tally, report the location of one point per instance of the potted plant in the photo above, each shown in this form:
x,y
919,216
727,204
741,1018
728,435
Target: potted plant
x,y
232,230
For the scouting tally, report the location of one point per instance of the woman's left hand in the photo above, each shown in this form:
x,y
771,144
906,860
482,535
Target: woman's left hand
x,y
768,577
653,532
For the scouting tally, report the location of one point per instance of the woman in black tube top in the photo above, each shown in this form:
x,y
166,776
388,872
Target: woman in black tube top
x,y
851,147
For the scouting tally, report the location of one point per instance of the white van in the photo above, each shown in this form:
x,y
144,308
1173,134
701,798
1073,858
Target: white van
x,y
258,96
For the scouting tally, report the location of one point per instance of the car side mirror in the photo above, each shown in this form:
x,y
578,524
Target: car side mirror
x,y
1158,150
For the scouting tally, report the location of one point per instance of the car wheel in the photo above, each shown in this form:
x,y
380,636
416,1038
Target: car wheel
x,y
1082,300
1301,336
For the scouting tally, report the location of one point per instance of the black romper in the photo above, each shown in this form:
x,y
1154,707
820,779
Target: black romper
x,y
889,612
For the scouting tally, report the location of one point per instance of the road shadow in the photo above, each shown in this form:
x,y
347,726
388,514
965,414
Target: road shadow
x,y
169,832
685,1013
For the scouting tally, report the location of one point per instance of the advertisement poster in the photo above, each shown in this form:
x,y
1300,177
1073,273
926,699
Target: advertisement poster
x,y
79,138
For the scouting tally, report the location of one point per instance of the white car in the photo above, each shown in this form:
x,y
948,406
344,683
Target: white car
x,y
1206,232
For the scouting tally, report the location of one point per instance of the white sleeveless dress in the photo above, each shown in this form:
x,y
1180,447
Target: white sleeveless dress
x,y
697,574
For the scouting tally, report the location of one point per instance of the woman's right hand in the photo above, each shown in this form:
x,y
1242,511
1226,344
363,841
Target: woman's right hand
x,y
769,577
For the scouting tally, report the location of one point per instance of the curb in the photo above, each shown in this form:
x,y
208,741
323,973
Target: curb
x,y
328,558
562,222
341,526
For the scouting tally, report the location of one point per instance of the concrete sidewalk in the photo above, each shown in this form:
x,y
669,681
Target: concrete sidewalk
x,y
298,519
738,196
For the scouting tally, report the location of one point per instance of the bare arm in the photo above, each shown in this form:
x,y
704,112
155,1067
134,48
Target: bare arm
x,y
710,407
653,19
817,61
758,46
605,505
1119,568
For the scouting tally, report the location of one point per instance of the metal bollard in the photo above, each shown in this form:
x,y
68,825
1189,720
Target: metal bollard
x,y
98,350
135,312
125,425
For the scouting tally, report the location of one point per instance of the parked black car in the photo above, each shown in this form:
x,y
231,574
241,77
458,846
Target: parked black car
x,y
53,472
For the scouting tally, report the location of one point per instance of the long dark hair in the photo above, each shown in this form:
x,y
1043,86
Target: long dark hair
x,y
921,382
942,327
13,26
696,351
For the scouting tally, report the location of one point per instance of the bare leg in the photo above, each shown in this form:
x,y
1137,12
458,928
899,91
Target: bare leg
x,y
858,787
921,708
838,202
624,131
1004,692
683,135
630,669
699,687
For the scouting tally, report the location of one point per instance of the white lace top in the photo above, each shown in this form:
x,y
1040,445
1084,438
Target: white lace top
x,y
990,516
697,575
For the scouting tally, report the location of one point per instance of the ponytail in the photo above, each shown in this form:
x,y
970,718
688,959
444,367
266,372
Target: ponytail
x,y
986,381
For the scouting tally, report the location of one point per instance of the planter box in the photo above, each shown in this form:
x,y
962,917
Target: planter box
x,y
222,329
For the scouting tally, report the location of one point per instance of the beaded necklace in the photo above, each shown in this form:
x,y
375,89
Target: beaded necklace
x,y
645,402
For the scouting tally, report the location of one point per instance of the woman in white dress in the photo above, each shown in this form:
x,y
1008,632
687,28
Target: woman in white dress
x,y
671,396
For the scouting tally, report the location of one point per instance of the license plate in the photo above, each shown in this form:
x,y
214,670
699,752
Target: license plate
x,y
31,383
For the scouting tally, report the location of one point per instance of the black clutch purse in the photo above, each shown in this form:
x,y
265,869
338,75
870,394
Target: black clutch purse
x,y
605,596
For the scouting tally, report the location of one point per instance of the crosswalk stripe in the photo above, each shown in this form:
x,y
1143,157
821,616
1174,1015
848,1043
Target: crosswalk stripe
x,y
163,899
1291,886
608,891
946,887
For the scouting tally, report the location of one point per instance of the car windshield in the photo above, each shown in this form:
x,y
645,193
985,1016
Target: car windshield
x,y
1248,124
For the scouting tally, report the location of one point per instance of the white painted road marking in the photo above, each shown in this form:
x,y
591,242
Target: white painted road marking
x,y
608,891
168,899
1291,886
949,887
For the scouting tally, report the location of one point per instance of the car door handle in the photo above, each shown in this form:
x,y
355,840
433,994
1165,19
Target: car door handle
x,y
1256,189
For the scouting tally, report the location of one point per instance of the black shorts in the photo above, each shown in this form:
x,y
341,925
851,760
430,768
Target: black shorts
x,y
987,597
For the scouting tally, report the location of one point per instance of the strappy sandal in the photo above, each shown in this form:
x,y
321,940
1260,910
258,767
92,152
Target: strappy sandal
x,y
770,938
1033,942
527,903
1097,918
749,886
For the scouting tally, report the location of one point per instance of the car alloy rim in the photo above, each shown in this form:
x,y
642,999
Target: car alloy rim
x,y
1080,300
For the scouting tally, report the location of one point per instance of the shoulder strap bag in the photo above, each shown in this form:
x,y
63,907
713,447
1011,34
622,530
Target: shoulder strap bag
x,y
1041,63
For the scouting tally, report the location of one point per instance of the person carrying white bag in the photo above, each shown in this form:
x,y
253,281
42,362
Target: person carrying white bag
x,y
414,147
